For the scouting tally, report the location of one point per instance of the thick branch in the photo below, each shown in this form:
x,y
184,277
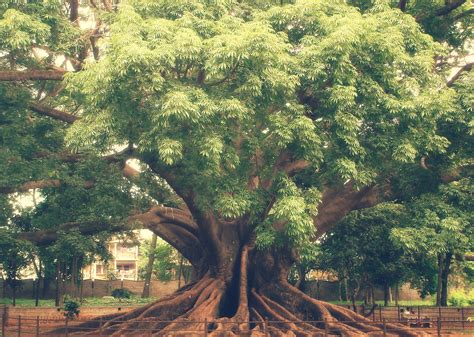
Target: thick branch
x,y
51,112
177,233
338,202
32,75
450,6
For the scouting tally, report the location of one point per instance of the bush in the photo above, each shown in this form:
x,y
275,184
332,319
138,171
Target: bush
x,y
71,308
121,293
459,298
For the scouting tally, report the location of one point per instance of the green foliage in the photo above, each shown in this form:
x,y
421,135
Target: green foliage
x,y
223,95
460,298
371,258
71,308
166,263
440,222
121,293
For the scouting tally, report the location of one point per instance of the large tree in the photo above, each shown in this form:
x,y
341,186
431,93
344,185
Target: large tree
x,y
257,127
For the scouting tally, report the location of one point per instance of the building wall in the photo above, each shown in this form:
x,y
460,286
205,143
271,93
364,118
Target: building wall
x,y
101,288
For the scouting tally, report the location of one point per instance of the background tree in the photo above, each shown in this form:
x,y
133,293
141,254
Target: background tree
x,y
441,227
256,127
369,260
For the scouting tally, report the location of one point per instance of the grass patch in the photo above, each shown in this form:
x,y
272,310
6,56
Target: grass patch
x,y
86,302
405,303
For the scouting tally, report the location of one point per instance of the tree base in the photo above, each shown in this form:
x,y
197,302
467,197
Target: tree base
x,y
276,310
263,305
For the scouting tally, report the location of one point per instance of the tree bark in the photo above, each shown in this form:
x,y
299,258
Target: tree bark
x,y
32,75
53,113
149,267
444,279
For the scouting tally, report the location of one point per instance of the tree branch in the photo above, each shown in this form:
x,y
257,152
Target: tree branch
x,y
73,10
53,113
168,229
402,5
32,75
457,75
463,14
338,202
449,7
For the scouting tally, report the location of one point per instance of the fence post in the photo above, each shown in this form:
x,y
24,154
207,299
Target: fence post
x,y
100,326
326,328
150,330
438,327
380,313
265,329
373,315
384,328
37,326
462,317
19,325
439,313
398,313
419,313
66,326
205,327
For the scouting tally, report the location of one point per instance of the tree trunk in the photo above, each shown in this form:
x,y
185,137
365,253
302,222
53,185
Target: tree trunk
x,y
397,293
444,279
340,291
180,270
390,296
300,284
346,290
440,277
57,290
386,290
149,267
237,284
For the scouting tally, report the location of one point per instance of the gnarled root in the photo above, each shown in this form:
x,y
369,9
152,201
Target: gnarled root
x,y
276,308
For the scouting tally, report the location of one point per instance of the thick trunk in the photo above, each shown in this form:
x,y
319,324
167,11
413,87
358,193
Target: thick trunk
x,y
444,279
149,267
256,290
237,284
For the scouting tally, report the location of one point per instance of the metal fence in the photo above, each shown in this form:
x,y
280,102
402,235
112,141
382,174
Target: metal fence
x,y
417,312
36,326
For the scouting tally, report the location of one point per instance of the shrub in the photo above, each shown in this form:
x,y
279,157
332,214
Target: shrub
x,y
459,298
121,293
71,308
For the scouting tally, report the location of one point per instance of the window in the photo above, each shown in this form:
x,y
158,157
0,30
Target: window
x,y
99,269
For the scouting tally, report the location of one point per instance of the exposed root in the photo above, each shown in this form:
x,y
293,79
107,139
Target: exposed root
x,y
277,309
